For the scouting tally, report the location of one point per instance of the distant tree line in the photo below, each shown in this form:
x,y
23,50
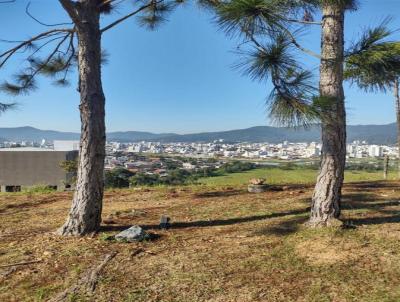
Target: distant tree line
x,y
123,178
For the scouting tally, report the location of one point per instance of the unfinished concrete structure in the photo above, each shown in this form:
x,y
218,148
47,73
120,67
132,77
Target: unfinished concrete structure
x,y
27,167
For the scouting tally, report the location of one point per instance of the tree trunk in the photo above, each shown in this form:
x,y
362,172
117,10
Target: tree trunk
x,y
85,214
397,100
325,207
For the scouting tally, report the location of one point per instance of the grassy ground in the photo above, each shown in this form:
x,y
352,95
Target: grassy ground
x,y
295,176
224,245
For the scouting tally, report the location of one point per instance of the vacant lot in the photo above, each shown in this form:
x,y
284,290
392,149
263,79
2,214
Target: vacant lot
x,y
224,245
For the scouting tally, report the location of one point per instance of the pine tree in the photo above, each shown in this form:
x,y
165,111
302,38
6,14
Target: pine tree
x,y
271,28
77,44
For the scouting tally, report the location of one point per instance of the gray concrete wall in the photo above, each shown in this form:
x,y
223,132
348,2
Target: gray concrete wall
x,y
32,168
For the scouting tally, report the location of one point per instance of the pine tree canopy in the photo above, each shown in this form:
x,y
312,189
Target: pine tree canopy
x,y
270,30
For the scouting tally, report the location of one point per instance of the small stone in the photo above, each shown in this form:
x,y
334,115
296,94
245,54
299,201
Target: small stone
x,y
134,233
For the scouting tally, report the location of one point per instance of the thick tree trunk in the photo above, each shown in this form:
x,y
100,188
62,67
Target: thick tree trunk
x,y
397,100
325,207
85,213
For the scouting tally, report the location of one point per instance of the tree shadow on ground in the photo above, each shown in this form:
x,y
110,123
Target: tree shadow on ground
x,y
374,220
211,223
226,193
354,201
350,201
24,206
283,228
271,188
372,185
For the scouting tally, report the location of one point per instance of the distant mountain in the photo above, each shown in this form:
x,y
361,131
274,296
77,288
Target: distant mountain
x,y
130,136
33,134
374,134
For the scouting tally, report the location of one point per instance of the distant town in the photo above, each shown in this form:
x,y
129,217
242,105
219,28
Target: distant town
x,y
217,149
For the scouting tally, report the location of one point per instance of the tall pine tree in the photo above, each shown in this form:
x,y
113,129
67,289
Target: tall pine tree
x,y
271,28
78,45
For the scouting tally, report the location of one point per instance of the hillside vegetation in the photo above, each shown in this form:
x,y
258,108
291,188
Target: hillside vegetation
x,y
374,134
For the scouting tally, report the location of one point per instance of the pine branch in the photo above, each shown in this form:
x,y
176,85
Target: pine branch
x,y
4,107
297,44
140,9
40,22
5,56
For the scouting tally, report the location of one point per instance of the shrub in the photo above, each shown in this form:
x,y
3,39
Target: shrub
x,y
117,178
39,189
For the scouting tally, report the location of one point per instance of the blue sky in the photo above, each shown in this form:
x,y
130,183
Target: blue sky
x,y
176,79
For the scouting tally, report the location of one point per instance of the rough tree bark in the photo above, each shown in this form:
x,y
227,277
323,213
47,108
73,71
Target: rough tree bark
x,y
325,207
85,214
397,101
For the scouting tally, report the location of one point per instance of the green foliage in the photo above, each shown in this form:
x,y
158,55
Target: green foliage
x,y
177,177
156,13
117,178
69,166
171,164
259,16
236,166
289,103
183,177
20,86
40,189
373,63
273,59
144,179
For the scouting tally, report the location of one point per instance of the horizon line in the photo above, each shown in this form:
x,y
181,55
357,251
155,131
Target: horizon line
x,y
189,133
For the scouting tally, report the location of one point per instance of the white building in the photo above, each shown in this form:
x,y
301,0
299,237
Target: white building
x,y
66,145
375,151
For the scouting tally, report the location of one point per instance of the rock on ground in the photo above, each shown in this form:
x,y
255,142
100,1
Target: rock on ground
x,y
134,233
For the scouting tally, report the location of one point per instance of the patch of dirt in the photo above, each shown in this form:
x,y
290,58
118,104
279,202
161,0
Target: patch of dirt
x,y
325,251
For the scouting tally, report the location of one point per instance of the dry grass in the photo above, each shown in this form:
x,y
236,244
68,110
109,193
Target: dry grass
x,y
224,245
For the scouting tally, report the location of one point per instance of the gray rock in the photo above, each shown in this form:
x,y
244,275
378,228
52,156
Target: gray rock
x,y
134,233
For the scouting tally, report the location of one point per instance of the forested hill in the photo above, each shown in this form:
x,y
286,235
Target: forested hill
x,y
373,134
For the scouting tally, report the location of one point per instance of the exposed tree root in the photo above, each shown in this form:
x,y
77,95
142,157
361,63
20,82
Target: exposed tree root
x,y
87,283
